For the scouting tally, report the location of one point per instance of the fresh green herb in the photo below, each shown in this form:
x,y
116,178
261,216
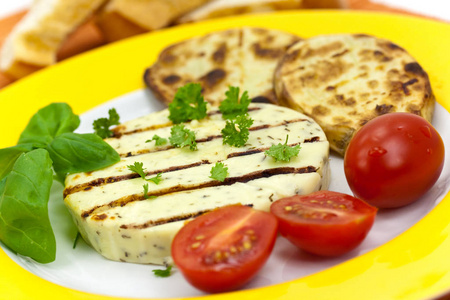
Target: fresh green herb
x,y
8,157
145,186
219,172
146,196
159,141
283,152
237,137
102,125
46,145
232,107
157,179
49,122
188,104
180,137
163,273
71,151
75,242
137,167
24,223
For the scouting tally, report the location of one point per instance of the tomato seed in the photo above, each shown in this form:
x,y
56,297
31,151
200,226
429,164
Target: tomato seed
x,y
247,245
195,245
288,208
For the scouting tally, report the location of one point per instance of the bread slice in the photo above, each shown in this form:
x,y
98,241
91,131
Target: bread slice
x,y
343,81
34,42
222,8
114,216
124,18
243,57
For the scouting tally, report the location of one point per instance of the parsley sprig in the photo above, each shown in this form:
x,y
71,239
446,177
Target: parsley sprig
x,y
232,107
188,104
138,167
163,272
283,152
181,136
219,172
102,125
236,131
159,141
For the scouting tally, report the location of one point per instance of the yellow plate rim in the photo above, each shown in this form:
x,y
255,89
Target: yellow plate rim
x,y
414,265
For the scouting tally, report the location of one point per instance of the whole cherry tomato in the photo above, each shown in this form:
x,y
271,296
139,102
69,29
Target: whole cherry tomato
x,y
394,159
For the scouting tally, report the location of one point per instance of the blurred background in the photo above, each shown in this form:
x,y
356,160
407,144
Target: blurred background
x,y
39,33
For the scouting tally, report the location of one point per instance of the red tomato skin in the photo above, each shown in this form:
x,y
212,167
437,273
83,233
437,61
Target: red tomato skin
x,y
325,237
236,271
394,159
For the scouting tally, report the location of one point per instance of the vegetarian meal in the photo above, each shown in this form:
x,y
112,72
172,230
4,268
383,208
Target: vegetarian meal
x,y
207,183
131,210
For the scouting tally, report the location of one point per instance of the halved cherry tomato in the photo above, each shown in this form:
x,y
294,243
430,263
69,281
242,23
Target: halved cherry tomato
x,y
324,223
223,249
394,159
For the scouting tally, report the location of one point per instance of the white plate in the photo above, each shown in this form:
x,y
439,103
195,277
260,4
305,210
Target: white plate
x,y
84,269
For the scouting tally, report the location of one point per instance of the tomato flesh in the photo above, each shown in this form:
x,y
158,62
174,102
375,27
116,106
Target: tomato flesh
x,y
324,223
394,159
223,249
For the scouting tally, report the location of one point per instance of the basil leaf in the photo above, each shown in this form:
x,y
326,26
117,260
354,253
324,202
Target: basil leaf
x,y
72,153
49,122
8,157
24,223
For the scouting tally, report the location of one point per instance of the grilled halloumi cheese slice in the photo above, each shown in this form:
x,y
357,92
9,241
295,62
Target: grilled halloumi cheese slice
x,y
244,57
345,80
121,223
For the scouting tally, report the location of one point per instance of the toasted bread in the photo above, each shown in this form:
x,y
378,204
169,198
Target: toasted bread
x,y
343,81
34,42
222,8
243,57
124,18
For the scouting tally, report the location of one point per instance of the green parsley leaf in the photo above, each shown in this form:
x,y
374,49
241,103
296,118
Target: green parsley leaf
x,y
159,141
101,125
145,186
157,179
237,137
219,172
283,152
163,273
146,196
76,240
231,107
137,167
188,104
181,137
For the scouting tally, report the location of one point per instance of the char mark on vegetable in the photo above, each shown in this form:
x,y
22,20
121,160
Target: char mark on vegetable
x,y
184,188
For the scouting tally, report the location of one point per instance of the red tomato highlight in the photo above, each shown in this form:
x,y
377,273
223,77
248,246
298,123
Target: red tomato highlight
x,y
394,159
324,223
224,249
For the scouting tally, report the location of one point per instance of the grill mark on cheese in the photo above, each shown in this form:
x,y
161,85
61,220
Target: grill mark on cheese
x,y
106,180
162,221
211,137
184,188
119,130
